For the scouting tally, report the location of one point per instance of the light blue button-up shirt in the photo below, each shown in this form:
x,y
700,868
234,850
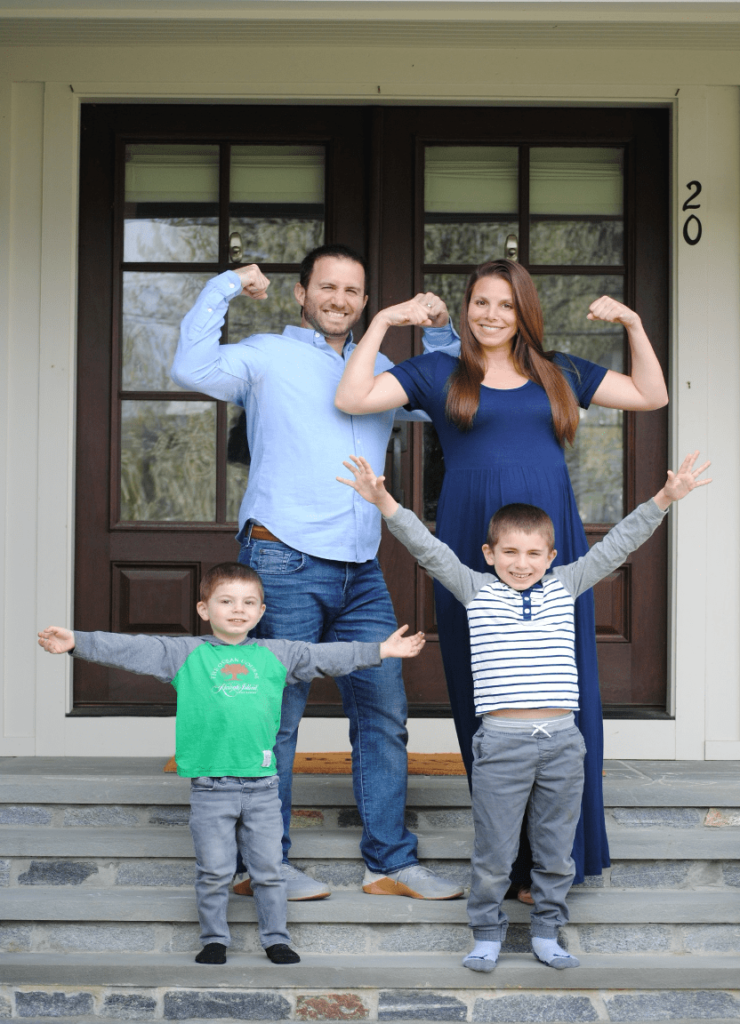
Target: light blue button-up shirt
x,y
298,439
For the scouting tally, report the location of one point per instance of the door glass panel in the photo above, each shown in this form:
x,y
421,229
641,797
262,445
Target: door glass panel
x,y
596,461
168,461
277,201
576,197
470,202
153,306
265,316
171,204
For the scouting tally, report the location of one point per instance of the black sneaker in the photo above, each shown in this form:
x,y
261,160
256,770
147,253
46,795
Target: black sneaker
x,y
282,954
213,953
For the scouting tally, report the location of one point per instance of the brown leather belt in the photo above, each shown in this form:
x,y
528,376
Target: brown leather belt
x,y
262,533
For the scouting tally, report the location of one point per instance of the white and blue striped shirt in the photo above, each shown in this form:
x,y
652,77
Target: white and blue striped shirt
x,y
522,646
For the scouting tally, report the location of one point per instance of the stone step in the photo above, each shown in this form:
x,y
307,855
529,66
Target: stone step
x,y
433,987
625,842
424,975
40,815
82,873
100,780
587,907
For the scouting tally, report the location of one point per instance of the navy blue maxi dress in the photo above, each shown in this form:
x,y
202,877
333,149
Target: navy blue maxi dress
x,y
511,454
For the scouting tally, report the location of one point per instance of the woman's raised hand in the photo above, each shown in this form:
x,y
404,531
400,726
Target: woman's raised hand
x,y
425,310
612,311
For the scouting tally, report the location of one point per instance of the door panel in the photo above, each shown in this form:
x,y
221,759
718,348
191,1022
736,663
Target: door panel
x,y
173,195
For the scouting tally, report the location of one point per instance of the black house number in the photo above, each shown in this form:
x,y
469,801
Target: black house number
x,y
692,224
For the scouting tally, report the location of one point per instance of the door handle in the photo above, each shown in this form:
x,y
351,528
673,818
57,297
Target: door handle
x,y
236,247
511,248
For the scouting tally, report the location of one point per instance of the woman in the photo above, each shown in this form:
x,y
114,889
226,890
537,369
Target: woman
x,y
504,412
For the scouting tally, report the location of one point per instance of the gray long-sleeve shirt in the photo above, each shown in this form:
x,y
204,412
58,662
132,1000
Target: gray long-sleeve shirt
x,y
522,642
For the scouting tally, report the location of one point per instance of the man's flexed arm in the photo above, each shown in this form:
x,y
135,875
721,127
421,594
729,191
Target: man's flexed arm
x,y
201,363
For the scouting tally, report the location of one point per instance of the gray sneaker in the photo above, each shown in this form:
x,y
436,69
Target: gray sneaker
x,y
300,885
416,881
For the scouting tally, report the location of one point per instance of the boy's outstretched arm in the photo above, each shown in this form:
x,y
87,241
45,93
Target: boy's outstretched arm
x,y
56,639
304,661
158,656
679,484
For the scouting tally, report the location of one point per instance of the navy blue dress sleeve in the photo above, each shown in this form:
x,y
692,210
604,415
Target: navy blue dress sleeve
x,y
583,376
422,377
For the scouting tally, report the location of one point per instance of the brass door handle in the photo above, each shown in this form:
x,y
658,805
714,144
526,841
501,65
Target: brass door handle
x,y
511,248
236,247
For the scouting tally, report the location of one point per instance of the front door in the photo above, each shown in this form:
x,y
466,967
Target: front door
x,y
170,196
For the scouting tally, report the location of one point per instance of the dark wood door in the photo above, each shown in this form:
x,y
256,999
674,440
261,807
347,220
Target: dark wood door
x,y
166,192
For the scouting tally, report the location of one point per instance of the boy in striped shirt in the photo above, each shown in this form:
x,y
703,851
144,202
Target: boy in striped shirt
x,y
528,752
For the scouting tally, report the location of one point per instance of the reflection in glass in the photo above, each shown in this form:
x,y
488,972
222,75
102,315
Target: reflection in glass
x,y
171,205
596,461
168,461
277,201
450,288
237,462
572,242
153,306
576,200
265,316
470,202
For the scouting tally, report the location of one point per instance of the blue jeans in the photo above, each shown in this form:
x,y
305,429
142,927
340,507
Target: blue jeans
x,y
520,767
319,600
226,812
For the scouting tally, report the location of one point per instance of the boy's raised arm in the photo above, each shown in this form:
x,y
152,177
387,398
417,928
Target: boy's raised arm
x,y
632,532
439,561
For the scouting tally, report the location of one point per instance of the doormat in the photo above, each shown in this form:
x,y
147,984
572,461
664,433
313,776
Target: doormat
x,y
341,764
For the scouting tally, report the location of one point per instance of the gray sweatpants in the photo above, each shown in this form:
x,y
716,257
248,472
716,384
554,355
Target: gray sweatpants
x,y
226,811
534,766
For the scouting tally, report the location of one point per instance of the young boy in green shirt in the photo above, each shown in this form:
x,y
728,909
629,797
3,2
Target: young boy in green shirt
x,y
229,694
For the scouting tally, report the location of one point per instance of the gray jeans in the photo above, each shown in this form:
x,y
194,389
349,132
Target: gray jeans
x,y
520,767
226,811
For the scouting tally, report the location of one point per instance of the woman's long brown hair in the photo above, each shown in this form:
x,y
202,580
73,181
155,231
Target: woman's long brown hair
x,y
530,360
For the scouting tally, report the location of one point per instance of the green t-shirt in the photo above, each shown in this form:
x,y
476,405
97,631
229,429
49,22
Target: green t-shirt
x,y
228,711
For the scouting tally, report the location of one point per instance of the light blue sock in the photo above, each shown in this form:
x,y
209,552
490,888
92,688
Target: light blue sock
x,y
483,956
550,953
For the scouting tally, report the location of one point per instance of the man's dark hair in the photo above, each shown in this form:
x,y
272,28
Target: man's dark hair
x,y
224,573
517,516
340,252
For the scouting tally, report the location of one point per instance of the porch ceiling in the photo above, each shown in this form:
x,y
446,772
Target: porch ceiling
x,y
667,24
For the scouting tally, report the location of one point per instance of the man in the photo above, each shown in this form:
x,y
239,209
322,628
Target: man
x,y
314,542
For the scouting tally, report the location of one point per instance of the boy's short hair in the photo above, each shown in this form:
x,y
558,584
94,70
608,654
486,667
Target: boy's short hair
x,y
225,572
341,252
518,516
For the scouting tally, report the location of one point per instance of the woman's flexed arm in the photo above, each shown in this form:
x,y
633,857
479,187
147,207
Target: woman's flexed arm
x,y
360,391
644,387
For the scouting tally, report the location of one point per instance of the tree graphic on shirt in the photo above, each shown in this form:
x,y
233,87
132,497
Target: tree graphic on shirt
x,y
234,671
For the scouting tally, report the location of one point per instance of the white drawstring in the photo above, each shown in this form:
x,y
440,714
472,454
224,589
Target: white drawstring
x,y
541,729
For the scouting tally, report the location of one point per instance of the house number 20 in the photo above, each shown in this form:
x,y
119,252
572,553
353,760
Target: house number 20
x,y
692,224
